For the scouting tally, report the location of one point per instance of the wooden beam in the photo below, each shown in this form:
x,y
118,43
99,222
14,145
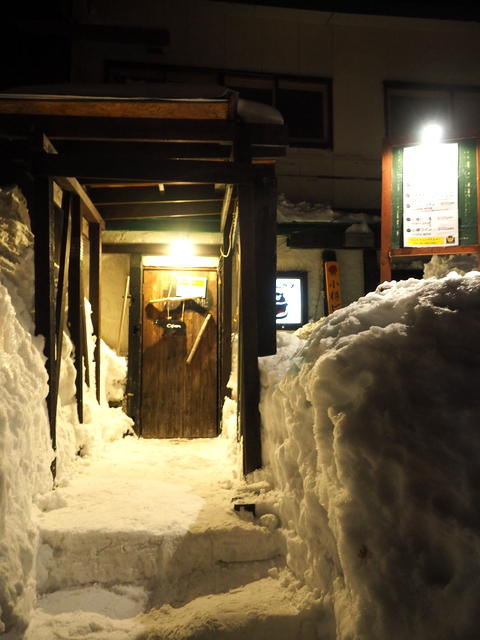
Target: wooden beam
x,y
113,128
207,224
137,168
174,150
91,212
118,108
152,194
157,149
95,298
160,209
155,249
426,251
72,184
142,129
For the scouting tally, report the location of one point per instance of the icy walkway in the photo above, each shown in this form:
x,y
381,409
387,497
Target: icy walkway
x,y
144,543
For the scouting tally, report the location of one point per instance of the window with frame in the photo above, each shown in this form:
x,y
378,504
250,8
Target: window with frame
x,y
408,106
305,102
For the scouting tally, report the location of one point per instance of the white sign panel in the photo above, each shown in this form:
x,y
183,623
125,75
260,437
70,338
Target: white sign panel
x,y
191,287
430,195
289,301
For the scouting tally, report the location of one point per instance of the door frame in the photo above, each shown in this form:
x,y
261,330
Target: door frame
x,y
135,342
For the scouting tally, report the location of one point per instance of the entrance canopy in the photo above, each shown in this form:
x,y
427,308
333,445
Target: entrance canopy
x,y
139,157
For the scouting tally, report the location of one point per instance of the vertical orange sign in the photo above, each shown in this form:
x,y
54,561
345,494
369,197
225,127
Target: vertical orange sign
x,y
332,286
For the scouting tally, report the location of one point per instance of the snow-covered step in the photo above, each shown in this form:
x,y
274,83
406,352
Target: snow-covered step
x,y
168,564
158,514
273,607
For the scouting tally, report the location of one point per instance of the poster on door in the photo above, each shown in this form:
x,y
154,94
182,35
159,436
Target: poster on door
x,y
430,195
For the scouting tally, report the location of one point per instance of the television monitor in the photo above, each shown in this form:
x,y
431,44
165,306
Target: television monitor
x,y
291,299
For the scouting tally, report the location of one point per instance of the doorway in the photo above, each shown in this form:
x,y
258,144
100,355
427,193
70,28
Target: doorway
x,y
179,353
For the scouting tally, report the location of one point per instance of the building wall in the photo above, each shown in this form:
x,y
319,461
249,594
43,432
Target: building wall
x,y
115,271
358,52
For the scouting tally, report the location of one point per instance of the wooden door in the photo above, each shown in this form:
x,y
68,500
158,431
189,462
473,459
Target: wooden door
x,y
179,398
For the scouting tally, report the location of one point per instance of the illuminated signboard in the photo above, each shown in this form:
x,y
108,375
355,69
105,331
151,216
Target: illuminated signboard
x,y
430,195
291,299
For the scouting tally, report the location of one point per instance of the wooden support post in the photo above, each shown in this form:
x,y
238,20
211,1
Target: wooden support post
x,y
43,227
266,261
75,301
477,184
225,313
134,376
95,297
249,379
386,232
62,288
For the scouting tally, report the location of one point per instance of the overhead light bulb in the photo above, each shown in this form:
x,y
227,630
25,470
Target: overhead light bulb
x,y
181,248
431,133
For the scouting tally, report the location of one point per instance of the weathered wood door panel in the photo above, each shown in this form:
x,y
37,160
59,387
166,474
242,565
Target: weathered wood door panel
x,y
179,399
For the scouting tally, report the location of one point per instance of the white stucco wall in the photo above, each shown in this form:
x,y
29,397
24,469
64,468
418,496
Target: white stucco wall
x,y
115,270
350,263
358,52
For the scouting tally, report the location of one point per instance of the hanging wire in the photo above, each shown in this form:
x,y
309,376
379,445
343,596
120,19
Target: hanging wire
x,y
231,235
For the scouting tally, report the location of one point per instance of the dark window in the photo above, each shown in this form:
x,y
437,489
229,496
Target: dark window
x,y
410,106
304,105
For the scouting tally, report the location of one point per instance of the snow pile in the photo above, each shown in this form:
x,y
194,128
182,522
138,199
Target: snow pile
x,y
101,423
371,436
149,526
25,457
288,211
16,253
25,444
114,374
440,266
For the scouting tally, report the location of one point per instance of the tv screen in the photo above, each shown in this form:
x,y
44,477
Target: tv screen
x,y
291,299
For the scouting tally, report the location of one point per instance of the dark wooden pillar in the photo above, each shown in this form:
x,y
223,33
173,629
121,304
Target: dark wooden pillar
x,y
248,374
95,297
266,263
75,301
134,376
386,217
62,290
225,313
43,227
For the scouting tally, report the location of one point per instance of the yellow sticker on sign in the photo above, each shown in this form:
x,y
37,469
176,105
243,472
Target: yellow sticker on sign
x,y
431,241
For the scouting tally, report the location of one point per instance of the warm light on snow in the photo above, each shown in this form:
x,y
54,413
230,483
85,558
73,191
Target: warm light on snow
x,y
366,519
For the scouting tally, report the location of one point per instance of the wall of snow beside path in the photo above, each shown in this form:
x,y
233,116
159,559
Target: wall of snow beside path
x,y
371,434
25,458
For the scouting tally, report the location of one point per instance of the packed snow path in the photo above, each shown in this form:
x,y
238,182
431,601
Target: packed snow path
x,y
144,542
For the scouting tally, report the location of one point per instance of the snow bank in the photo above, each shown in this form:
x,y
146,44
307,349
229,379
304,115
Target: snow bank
x,y
114,374
25,457
371,437
25,444
288,211
440,266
